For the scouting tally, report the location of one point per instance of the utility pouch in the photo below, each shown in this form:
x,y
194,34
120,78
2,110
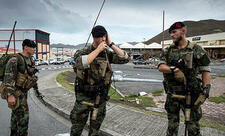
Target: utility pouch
x,y
180,90
165,85
108,76
25,81
31,81
90,90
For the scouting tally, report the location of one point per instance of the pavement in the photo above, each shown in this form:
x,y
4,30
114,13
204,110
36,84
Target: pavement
x,y
119,121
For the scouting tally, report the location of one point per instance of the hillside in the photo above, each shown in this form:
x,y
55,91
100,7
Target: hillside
x,y
195,28
59,45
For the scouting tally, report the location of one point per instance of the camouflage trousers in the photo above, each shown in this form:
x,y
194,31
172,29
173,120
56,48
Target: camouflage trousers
x,y
20,118
79,116
173,108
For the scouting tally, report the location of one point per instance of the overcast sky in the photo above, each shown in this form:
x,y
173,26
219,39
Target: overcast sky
x,y
70,21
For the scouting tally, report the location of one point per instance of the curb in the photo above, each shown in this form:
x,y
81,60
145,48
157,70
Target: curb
x,y
62,113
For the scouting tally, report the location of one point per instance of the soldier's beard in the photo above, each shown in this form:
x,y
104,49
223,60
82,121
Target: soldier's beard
x,y
178,41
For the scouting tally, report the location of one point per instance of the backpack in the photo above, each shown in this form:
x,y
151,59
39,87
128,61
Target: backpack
x,y
3,61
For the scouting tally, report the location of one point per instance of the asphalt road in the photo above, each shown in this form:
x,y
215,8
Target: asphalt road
x,y
43,122
144,72
140,72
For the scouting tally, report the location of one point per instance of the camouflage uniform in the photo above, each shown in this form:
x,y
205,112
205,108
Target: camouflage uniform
x,y
20,113
200,63
86,88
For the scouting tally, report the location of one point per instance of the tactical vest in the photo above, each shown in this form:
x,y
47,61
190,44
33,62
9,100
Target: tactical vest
x,y
97,76
26,78
179,57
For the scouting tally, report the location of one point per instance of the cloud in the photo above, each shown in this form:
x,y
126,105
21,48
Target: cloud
x,y
42,14
70,21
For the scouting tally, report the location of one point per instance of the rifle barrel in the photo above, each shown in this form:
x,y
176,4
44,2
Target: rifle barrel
x,y
10,37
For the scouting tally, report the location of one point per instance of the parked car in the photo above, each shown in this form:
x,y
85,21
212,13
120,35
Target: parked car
x,y
60,61
140,62
39,62
44,62
71,61
222,60
52,61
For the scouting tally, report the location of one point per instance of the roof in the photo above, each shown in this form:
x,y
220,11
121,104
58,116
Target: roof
x,y
25,30
126,46
154,45
140,45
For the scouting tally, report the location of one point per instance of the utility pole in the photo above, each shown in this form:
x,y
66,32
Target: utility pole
x,y
163,29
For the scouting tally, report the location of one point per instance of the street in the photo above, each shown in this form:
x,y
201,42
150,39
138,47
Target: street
x,y
42,121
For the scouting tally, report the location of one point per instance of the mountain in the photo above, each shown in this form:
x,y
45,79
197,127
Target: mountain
x,y
60,45
194,28
133,43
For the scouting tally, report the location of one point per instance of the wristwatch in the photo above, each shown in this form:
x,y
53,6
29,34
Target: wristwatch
x,y
112,43
172,68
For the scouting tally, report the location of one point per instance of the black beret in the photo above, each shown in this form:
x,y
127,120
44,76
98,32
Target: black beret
x,y
29,43
176,25
98,31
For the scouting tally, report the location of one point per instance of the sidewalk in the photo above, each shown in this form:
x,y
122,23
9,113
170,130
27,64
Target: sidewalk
x,y
119,121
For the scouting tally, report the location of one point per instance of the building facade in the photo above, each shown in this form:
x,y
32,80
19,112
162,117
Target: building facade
x,y
40,37
213,43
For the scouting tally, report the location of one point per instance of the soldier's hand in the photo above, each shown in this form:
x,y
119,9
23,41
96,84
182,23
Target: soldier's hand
x,y
179,76
201,99
102,46
11,100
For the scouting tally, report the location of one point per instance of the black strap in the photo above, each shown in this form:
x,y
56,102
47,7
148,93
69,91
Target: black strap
x,y
25,63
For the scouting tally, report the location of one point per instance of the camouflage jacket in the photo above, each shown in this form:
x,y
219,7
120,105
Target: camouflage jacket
x,y
14,66
83,69
172,55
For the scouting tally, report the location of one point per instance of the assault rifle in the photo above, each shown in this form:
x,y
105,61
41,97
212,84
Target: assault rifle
x,y
187,63
10,38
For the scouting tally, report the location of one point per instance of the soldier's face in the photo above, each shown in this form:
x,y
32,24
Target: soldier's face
x,y
30,50
176,35
100,40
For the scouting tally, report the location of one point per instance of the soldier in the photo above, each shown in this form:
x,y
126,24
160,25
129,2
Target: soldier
x,y
19,78
177,78
93,79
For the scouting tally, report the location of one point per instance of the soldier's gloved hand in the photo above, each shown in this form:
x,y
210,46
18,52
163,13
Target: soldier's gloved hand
x,y
203,96
201,99
179,76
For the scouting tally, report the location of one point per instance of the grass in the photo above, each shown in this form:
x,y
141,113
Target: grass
x,y
114,95
161,101
157,93
218,99
144,101
61,79
212,124
221,75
